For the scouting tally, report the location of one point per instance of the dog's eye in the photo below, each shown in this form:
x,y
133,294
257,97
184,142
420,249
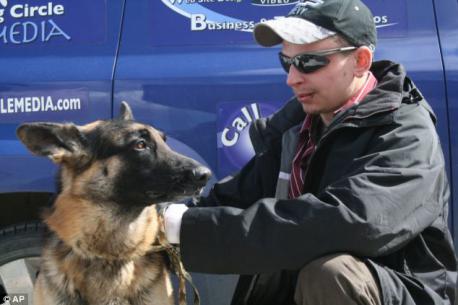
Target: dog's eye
x,y
141,145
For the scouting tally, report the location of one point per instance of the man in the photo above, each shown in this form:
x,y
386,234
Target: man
x,y
346,200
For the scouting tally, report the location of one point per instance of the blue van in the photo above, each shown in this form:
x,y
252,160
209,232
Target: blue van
x,y
188,67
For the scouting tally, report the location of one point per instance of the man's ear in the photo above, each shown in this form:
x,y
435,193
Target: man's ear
x,y
363,56
62,143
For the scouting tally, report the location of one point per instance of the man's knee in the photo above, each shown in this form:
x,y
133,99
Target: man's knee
x,y
331,267
335,278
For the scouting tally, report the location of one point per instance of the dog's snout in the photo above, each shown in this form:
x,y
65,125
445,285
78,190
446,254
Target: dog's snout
x,y
201,174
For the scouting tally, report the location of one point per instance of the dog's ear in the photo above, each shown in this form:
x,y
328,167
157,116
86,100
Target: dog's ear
x,y
126,112
62,143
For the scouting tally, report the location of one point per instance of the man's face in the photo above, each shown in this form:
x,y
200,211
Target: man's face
x,y
327,89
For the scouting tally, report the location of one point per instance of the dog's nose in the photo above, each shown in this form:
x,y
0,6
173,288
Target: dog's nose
x,y
201,174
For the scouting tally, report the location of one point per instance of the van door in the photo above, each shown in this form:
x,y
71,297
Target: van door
x,y
56,60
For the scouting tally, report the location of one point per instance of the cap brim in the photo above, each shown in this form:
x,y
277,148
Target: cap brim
x,y
291,29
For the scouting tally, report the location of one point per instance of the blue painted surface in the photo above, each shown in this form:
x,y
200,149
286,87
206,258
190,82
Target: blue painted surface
x,y
80,68
36,22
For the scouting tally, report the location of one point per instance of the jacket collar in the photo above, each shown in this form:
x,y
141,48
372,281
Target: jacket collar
x,y
393,89
389,93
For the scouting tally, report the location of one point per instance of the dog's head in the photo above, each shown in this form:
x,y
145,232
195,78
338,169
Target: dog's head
x,y
118,161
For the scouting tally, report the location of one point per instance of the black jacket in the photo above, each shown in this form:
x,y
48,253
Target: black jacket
x,y
376,188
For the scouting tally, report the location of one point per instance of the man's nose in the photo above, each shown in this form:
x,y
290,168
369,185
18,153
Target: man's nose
x,y
294,77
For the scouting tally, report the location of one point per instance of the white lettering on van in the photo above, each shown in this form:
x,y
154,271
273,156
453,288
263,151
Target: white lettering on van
x,y
230,135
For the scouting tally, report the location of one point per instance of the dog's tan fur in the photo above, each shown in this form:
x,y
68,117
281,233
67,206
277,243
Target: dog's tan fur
x,y
100,247
129,268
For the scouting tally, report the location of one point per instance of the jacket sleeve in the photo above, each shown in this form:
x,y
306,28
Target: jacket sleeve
x,y
389,195
256,180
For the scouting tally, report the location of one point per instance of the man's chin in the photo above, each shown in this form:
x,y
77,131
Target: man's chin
x,y
309,109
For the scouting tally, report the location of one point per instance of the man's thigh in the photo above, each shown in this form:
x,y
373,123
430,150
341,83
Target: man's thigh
x,y
337,279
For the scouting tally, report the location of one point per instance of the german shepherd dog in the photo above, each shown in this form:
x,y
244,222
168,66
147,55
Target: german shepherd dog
x,y
104,222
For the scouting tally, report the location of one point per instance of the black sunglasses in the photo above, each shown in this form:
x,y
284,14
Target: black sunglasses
x,y
312,61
